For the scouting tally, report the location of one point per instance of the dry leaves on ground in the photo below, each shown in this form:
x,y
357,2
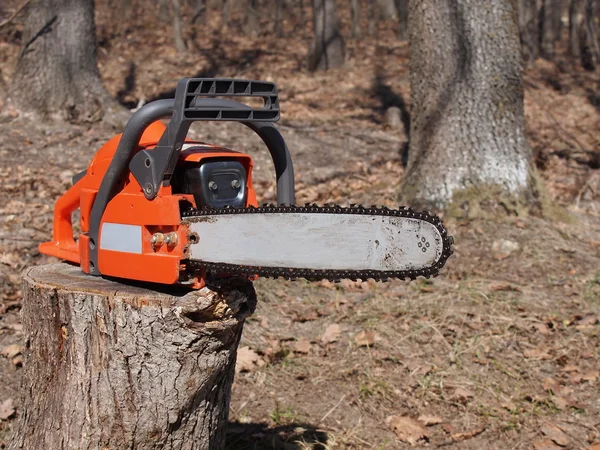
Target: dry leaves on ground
x,y
536,354
407,429
365,339
331,334
545,444
462,395
7,409
429,420
302,345
10,351
248,360
554,433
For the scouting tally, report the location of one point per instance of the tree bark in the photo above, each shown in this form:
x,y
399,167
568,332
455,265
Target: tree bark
x,y
278,29
199,12
252,27
114,366
57,74
590,36
529,29
178,27
467,119
163,10
402,8
550,22
576,14
327,50
356,30
373,16
387,9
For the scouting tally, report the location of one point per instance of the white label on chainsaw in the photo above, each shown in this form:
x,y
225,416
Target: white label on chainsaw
x,y
317,241
121,238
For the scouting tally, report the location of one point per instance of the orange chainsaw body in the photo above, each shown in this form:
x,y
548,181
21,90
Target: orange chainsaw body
x,y
129,210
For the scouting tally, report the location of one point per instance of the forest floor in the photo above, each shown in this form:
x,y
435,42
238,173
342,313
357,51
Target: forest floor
x,y
502,350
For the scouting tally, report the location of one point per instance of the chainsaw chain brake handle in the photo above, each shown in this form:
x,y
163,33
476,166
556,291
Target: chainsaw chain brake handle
x,y
195,100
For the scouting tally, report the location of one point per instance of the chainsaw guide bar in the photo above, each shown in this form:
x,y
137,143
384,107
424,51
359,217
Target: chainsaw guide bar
x,y
219,268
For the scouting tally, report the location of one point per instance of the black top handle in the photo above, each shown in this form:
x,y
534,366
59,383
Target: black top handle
x,y
194,101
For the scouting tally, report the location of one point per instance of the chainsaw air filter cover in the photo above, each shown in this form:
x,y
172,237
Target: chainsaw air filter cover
x,y
216,184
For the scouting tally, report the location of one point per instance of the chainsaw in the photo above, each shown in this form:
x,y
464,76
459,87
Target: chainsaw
x,y
156,206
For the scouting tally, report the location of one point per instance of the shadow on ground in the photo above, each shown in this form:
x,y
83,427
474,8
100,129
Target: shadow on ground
x,y
260,436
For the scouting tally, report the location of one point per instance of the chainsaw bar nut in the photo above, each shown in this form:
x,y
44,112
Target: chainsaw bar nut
x,y
171,239
157,240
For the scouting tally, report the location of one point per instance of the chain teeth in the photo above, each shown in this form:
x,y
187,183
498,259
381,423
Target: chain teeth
x,y
288,273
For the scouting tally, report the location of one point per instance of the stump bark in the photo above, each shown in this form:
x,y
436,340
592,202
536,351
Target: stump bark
x,y
117,366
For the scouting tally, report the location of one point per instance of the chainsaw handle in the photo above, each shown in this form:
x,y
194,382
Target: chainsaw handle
x,y
131,136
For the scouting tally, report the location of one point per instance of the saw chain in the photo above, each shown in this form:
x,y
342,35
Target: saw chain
x,y
319,274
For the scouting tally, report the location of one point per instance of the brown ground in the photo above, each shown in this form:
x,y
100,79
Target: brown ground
x,y
503,352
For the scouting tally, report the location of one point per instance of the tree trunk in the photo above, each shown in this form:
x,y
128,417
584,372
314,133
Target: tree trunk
x,y
373,16
278,13
252,19
550,22
590,37
402,8
387,9
163,10
327,50
529,29
576,14
356,30
115,366
199,16
467,119
178,27
225,5
57,74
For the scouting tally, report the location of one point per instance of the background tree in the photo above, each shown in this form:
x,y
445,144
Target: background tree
x,y
402,11
529,29
178,27
467,122
277,29
550,26
252,26
356,30
57,73
327,49
589,36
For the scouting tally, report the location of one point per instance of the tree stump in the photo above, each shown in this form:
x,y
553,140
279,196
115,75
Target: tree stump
x,y
115,366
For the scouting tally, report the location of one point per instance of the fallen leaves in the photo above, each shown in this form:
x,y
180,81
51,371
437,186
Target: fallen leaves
x,y
414,431
7,409
365,339
429,420
407,429
545,444
331,334
248,360
13,352
302,345
536,354
462,436
503,248
555,434
10,351
462,395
